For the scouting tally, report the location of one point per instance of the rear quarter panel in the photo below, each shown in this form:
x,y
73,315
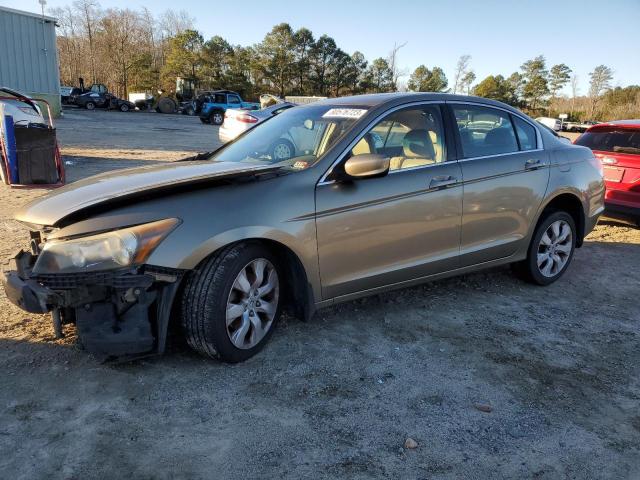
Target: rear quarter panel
x,y
574,171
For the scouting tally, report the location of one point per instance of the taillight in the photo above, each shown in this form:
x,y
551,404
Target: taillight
x,y
246,118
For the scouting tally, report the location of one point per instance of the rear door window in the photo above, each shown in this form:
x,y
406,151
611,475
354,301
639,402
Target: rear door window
x,y
526,134
484,131
234,99
615,140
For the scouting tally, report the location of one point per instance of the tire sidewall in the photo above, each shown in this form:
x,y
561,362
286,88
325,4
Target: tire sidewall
x,y
219,294
532,257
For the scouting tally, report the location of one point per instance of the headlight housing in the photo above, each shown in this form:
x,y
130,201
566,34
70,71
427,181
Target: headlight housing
x,y
104,251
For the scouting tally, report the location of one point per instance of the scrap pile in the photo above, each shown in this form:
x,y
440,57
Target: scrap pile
x,y
29,153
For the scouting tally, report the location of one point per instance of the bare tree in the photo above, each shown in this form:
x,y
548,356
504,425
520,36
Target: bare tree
x,y
462,68
90,16
600,82
466,81
392,60
574,92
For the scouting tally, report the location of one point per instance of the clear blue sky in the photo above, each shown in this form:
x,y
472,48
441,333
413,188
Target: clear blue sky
x,y
499,35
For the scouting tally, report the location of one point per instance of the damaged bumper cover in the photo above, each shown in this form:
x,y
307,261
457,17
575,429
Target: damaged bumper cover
x,y
118,313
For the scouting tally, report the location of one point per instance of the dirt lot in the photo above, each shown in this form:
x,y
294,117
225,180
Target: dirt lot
x,y
337,397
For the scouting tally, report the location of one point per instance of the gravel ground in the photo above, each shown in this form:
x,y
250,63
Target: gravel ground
x,y
492,377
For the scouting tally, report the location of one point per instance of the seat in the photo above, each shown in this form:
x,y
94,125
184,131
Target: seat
x,y
417,149
364,146
501,140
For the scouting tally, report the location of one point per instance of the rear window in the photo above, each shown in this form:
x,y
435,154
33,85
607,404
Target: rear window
x,y
614,140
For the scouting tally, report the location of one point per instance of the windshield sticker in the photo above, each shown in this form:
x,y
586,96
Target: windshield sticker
x,y
344,113
300,165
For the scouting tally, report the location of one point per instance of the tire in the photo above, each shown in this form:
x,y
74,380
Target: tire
x,y
556,263
216,117
212,290
90,106
278,150
124,107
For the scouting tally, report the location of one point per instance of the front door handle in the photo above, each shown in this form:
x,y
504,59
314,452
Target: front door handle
x,y
532,164
442,181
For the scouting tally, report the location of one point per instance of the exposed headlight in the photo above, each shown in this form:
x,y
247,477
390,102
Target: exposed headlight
x,y
105,251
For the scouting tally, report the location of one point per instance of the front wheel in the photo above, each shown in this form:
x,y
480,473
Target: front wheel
x,y
216,118
124,107
90,106
283,149
232,302
551,249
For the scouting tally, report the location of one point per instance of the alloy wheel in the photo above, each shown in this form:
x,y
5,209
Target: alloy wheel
x,y
282,151
554,249
252,303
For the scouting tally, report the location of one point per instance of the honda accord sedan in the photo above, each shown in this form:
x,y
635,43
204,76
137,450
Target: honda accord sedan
x,y
385,191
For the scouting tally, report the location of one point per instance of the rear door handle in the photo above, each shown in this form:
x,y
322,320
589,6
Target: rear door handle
x,y
532,164
442,181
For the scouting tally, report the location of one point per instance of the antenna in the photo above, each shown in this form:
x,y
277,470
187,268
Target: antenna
x,y
43,3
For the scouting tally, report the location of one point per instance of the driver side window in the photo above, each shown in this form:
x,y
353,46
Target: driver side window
x,y
411,138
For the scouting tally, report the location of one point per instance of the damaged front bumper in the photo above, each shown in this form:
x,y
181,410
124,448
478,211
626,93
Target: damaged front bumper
x,y
118,313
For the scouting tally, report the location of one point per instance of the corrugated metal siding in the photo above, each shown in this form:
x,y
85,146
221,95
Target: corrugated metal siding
x,y
28,55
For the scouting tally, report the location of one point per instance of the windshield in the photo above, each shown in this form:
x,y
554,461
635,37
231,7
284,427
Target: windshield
x,y
297,137
617,140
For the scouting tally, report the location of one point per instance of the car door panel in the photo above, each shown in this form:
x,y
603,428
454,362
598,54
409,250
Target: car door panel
x,y
501,198
381,231
505,173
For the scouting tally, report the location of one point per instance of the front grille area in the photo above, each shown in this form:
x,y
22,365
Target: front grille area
x,y
117,279
124,278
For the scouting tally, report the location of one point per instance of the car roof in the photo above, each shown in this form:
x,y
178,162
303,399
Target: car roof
x,y
380,99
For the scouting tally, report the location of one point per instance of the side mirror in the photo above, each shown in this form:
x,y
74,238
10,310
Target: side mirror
x,y
368,165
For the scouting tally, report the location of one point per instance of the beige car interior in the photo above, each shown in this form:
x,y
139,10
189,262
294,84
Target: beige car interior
x,y
421,139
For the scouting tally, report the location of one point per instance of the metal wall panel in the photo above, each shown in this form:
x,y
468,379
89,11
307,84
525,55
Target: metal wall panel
x,y
28,54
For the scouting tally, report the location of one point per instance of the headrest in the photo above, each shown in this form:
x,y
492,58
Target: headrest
x,y
418,144
499,137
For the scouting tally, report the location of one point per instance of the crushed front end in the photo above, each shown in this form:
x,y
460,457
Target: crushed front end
x,y
119,304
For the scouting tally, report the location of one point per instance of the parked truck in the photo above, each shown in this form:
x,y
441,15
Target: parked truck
x,y
212,105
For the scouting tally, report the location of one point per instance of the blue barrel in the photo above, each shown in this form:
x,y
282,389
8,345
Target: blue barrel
x,y
12,150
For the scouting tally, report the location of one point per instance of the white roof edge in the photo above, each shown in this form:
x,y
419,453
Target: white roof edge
x,y
28,14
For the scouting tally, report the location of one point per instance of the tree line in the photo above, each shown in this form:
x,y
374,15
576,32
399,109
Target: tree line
x,y
136,51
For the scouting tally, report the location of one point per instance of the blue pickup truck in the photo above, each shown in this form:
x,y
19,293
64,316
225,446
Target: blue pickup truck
x,y
212,105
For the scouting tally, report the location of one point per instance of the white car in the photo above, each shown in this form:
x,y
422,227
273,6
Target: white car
x,y
553,123
237,120
23,110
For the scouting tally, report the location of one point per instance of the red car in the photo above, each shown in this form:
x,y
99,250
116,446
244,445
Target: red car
x,y
617,145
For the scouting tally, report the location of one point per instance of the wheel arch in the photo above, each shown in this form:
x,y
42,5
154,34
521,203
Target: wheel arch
x,y
571,203
299,274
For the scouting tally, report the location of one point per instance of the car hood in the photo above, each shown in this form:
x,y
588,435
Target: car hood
x,y
114,187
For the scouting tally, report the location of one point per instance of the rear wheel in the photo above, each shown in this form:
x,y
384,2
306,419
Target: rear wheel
x,y
232,302
90,106
551,249
124,107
